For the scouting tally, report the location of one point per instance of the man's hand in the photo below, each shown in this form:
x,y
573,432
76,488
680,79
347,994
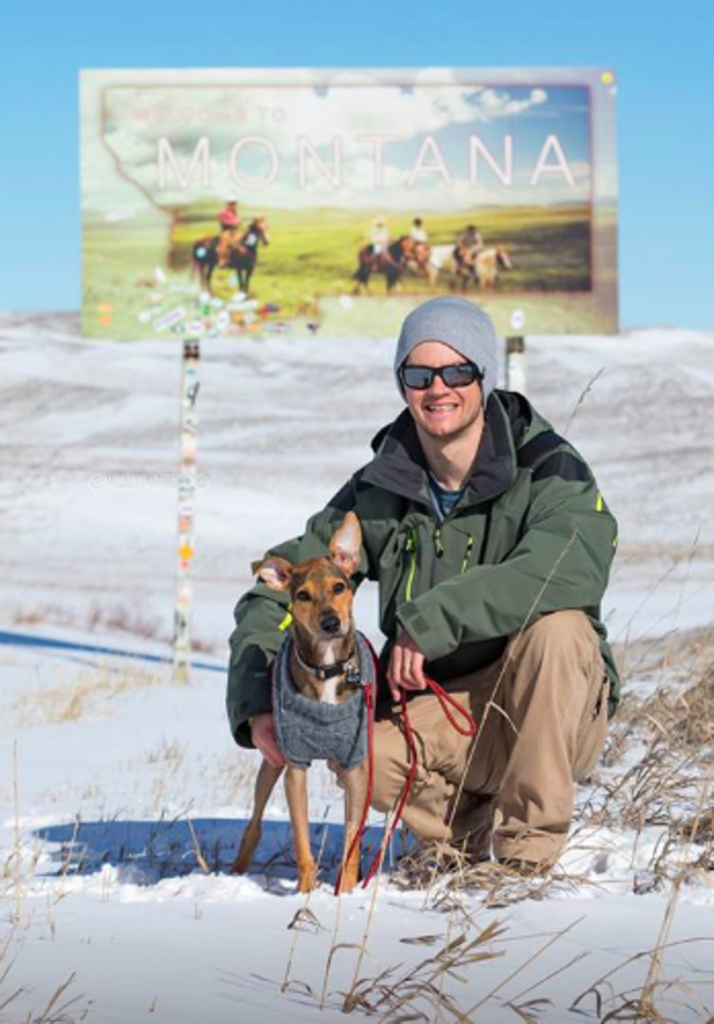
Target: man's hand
x,y
264,738
406,666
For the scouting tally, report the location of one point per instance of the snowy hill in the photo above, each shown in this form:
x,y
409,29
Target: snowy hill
x,y
88,499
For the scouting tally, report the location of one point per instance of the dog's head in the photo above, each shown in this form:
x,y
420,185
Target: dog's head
x,y
319,589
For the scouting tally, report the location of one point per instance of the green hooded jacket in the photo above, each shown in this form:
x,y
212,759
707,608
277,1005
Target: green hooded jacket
x,y
530,534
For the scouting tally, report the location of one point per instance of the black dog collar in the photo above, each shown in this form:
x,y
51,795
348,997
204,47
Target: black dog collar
x,y
348,667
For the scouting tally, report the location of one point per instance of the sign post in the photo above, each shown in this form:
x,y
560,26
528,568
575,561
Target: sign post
x,y
516,364
186,511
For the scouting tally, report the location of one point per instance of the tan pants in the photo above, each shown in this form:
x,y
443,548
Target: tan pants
x,y
543,732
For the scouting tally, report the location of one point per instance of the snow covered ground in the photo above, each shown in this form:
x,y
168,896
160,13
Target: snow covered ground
x,y
106,762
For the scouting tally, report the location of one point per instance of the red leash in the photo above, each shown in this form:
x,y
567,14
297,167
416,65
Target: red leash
x,y
469,729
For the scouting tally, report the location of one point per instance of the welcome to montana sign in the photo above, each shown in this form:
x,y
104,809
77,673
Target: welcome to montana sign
x,y
224,202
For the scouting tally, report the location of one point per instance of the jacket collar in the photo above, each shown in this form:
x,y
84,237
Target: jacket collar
x,y
399,464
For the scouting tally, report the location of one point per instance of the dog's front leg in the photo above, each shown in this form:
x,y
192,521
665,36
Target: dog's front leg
x,y
264,785
296,792
355,783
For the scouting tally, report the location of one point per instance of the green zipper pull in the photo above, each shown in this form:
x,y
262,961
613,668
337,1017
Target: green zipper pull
x,y
437,543
467,553
411,547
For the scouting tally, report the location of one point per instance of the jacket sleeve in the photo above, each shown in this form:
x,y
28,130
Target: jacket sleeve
x,y
562,561
261,617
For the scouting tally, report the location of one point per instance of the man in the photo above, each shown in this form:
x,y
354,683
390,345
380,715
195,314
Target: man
x,y
379,236
491,544
229,216
229,239
419,249
417,231
468,245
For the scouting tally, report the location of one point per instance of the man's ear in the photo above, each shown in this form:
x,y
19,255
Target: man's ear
x,y
274,571
345,544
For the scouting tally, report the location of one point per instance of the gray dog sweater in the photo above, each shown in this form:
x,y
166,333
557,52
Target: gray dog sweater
x,y
309,730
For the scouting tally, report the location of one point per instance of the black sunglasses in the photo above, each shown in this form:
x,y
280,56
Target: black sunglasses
x,y
458,375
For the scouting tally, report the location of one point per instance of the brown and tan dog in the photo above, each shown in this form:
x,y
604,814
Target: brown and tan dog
x,y
324,637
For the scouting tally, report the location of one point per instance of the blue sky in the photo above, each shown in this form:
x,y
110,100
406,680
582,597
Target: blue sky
x,y
659,51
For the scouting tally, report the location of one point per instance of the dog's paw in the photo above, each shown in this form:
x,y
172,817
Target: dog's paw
x,y
349,881
307,877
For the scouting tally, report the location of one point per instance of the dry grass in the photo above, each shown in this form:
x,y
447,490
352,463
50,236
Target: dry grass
x,y
415,993
660,756
116,618
107,618
61,1007
171,754
686,717
496,885
658,774
90,693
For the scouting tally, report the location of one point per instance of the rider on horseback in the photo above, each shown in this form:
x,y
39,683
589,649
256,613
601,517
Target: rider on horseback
x,y
468,245
420,250
379,238
229,215
417,232
229,238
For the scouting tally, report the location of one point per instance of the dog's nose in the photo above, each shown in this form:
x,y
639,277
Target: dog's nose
x,y
330,623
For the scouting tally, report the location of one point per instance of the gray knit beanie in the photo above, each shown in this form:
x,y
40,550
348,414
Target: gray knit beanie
x,y
457,323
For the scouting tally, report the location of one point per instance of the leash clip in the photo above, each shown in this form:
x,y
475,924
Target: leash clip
x,y
353,676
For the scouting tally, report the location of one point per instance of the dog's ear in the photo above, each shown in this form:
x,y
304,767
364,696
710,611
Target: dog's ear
x,y
345,544
274,571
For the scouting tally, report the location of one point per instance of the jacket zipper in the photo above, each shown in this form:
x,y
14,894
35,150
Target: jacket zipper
x,y
467,554
439,551
411,549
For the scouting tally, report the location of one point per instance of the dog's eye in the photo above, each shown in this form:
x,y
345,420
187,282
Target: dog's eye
x,y
338,588
303,595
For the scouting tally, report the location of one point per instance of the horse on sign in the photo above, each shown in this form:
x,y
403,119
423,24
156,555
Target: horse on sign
x,y
243,256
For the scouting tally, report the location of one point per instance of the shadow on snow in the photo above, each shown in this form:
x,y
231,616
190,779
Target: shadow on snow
x,y
145,852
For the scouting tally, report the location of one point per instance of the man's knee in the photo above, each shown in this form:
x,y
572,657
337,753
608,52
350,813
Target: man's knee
x,y
558,658
563,627
563,635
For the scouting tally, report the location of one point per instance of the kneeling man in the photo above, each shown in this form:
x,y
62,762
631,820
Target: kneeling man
x,y
491,544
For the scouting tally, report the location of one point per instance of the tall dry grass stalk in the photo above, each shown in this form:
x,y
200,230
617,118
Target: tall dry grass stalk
x,y
70,1011
653,979
522,967
626,1004
304,919
56,1012
7,962
200,859
19,880
398,995
581,400
351,1000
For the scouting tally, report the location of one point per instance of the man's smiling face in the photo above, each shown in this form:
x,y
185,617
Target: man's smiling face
x,y
441,412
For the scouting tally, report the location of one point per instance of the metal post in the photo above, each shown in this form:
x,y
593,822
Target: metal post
x,y
186,511
516,364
